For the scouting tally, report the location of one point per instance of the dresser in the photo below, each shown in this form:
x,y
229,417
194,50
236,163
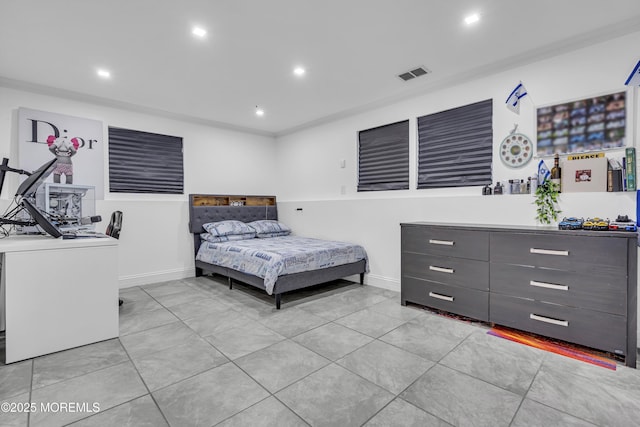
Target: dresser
x,y
577,286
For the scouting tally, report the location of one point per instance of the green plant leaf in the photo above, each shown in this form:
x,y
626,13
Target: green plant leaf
x,y
546,201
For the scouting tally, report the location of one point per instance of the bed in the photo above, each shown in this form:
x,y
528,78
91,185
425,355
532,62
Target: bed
x,y
289,266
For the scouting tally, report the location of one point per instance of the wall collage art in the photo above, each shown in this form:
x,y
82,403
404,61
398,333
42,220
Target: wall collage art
x,y
591,124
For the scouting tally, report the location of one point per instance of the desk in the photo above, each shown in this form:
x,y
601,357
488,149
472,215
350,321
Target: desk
x,y
57,294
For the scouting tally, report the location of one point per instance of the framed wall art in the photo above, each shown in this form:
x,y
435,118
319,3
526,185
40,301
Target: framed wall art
x,y
590,124
76,142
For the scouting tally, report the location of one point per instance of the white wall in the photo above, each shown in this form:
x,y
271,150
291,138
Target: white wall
x,y
310,177
155,242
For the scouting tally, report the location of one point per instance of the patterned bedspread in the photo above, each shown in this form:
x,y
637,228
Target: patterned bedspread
x,y
277,256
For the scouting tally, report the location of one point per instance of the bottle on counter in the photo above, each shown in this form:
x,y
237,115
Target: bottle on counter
x,y
497,190
515,186
534,184
556,171
523,187
486,190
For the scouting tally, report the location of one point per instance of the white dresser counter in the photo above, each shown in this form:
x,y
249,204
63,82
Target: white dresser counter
x,y
57,294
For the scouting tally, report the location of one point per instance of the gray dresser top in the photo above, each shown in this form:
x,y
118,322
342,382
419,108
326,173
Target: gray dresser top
x,y
524,229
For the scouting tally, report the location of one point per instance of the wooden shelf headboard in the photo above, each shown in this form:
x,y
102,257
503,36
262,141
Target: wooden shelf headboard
x,y
231,200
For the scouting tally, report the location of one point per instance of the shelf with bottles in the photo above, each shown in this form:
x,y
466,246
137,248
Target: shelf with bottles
x,y
526,185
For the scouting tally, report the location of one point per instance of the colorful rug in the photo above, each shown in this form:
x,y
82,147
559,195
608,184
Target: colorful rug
x,y
548,344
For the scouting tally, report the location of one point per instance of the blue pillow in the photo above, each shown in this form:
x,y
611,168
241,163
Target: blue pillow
x,y
270,228
231,237
226,228
274,234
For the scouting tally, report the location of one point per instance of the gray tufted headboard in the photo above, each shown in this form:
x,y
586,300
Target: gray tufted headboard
x,y
200,214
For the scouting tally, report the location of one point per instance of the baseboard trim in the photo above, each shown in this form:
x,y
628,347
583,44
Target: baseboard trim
x,y
154,277
381,282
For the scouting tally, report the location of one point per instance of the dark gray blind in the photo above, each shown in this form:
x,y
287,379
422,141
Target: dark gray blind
x,y
455,147
143,162
383,158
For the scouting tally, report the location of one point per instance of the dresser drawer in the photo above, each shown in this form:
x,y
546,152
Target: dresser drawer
x,y
606,293
446,242
464,301
572,253
461,272
603,331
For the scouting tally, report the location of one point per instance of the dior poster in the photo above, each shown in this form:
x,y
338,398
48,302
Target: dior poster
x,y
76,142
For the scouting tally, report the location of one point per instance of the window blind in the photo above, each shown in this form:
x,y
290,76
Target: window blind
x,y
455,147
383,158
143,162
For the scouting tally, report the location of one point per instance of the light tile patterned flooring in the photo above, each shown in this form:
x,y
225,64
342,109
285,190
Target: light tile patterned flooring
x,y
194,353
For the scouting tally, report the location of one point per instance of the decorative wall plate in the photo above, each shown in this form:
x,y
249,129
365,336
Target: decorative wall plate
x,y
516,150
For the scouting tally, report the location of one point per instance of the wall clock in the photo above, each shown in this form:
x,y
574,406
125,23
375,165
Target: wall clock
x,y
516,150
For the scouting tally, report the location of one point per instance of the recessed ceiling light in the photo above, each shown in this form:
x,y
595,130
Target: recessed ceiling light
x,y
472,19
199,32
259,111
105,74
299,71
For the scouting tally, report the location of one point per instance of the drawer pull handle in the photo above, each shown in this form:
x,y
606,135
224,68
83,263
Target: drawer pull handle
x,y
564,323
548,252
442,297
441,242
549,285
441,269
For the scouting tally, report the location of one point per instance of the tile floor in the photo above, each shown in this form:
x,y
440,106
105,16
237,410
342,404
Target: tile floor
x,y
194,353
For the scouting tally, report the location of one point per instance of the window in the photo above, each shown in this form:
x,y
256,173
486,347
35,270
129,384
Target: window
x,y
383,158
455,147
142,162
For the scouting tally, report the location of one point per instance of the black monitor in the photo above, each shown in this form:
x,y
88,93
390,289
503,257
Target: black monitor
x,y
35,180
27,191
40,218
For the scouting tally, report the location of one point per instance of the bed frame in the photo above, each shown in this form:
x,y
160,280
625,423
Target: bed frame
x,y
204,208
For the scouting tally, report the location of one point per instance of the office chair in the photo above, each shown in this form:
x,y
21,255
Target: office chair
x,y
113,230
115,225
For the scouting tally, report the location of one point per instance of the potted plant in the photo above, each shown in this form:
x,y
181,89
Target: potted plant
x,y
547,202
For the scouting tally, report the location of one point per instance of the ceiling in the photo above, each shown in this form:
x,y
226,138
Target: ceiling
x,y
352,50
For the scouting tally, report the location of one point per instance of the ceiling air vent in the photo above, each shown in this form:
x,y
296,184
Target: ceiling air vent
x,y
417,72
